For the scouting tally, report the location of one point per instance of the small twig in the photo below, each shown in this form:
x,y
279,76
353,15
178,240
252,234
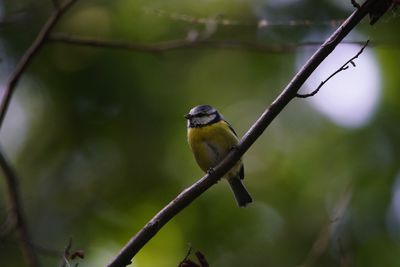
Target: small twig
x,y
186,262
355,4
344,67
188,253
322,241
70,255
224,21
29,55
202,259
16,217
65,255
379,8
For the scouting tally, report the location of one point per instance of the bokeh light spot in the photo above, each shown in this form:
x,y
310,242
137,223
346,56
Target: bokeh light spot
x,y
350,98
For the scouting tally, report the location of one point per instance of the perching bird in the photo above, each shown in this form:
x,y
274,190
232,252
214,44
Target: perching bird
x,y
210,137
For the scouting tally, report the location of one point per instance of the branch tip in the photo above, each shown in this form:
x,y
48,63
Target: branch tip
x,y
344,67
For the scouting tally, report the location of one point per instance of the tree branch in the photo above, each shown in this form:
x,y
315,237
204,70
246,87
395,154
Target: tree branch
x,y
321,242
16,215
16,218
29,55
180,44
190,194
344,67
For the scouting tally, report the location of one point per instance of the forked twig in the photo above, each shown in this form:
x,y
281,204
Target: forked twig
x,y
344,67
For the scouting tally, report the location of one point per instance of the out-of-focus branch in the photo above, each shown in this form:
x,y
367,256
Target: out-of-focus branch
x,y
221,20
321,243
344,67
180,44
16,217
29,55
136,243
186,262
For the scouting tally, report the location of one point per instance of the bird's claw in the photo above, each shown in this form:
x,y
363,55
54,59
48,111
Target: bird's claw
x,y
210,171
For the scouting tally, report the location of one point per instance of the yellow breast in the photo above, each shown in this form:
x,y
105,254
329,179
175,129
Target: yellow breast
x,y
211,143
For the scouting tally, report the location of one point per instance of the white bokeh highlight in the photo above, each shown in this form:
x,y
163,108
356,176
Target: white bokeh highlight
x,y
350,98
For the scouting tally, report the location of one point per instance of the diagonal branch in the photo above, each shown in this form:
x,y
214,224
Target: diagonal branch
x,y
16,214
344,67
136,243
29,55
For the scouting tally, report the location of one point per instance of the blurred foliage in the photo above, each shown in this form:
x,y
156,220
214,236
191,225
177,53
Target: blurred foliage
x,y
98,138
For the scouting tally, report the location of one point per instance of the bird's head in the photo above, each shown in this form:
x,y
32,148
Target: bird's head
x,y
202,115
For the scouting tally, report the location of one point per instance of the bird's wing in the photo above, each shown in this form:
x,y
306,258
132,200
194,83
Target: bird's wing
x,y
230,127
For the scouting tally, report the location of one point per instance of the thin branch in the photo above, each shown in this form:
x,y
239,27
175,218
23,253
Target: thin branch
x,y
16,214
64,259
344,67
180,44
221,20
159,47
136,243
29,55
322,241
189,251
381,7
202,259
355,4
186,262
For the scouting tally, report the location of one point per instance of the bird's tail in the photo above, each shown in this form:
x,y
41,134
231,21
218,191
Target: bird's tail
x,y
242,196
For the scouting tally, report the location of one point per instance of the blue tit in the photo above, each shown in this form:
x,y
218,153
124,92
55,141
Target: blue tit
x,y
211,138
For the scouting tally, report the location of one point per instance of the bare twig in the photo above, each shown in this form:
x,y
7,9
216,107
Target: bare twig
x,y
355,4
221,20
186,197
16,214
322,241
182,44
29,55
381,7
70,255
344,67
189,251
186,262
202,259
65,255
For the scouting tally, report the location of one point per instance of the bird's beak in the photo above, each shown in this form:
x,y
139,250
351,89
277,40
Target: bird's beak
x,y
188,116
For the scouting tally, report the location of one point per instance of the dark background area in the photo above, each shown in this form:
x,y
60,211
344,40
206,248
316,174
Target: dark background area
x,y
98,138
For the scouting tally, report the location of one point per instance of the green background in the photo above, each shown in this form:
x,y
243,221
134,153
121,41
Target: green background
x,y
98,138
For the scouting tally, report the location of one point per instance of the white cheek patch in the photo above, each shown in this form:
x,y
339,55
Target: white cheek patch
x,y
203,120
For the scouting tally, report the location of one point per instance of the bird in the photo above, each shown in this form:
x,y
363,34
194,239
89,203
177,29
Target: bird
x,y
210,138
